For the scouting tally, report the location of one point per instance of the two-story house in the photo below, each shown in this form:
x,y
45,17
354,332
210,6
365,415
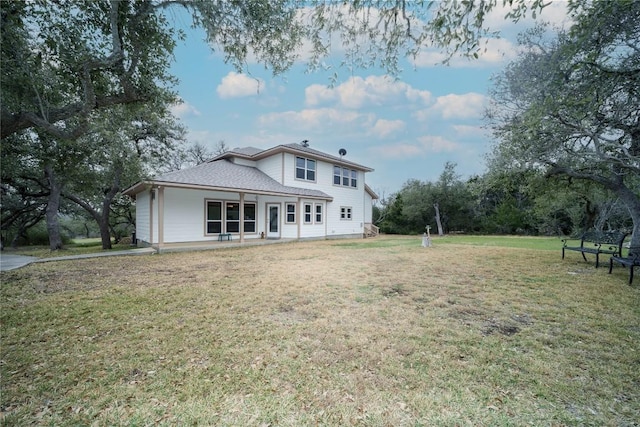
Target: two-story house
x,y
289,191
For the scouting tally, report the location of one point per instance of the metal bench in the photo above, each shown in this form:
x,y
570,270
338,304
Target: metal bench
x,y
596,243
632,261
223,235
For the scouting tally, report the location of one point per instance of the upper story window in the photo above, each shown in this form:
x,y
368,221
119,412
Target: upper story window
x,y
345,177
305,169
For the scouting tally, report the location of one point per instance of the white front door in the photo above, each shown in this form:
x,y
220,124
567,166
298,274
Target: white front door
x,y
273,221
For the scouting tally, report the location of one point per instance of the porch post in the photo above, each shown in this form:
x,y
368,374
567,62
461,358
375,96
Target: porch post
x,y
160,216
241,217
299,213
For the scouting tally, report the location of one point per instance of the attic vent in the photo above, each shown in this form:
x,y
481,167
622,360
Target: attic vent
x,y
305,143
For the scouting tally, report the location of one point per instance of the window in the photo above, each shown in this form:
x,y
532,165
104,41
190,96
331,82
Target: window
x,y
307,213
233,217
305,169
318,214
249,218
345,212
337,173
291,213
227,219
345,177
214,217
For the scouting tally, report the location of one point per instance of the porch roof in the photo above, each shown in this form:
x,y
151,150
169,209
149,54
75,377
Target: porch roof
x,y
223,175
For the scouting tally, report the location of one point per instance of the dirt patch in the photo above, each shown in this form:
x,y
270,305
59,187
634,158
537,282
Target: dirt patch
x,y
493,326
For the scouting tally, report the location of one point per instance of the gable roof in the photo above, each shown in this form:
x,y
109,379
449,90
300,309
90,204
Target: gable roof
x,y
252,153
242,152
224,175
372,193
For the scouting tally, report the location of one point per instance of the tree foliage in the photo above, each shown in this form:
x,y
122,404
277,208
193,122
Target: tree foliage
x,y
570,104
503,202
125,144
63,60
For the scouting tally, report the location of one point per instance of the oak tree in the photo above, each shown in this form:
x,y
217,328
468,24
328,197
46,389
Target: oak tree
x,y
570,105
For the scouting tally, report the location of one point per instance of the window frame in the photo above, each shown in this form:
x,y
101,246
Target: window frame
x,y
346,213
224,221
253,221
345,177
208,221
308,213
319,214
233,222
306,169
287,213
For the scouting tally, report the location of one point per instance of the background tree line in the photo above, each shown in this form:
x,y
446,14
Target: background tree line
x,y
499,202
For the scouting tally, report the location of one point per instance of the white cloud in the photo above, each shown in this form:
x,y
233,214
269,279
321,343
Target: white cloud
x,y
437,144
397,151
383,128
465,130
319,120
319,94
358,92
494,51
184,109
452,106
235,85
425,146
555,12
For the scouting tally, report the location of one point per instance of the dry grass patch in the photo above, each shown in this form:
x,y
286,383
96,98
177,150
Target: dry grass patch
x,y
377,332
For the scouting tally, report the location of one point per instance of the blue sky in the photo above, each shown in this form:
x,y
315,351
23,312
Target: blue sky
x,y
406,128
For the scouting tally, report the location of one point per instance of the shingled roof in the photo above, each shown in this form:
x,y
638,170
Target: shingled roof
x,y
227,176
253,153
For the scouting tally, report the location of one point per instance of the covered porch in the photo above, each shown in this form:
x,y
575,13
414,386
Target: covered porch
x,y
171,217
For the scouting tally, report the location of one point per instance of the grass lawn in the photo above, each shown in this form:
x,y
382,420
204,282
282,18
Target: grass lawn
x,y
376,332
75,247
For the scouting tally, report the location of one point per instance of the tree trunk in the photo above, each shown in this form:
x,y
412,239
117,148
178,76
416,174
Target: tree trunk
x,y
53,206
632,202
102,218
103,223
438,221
